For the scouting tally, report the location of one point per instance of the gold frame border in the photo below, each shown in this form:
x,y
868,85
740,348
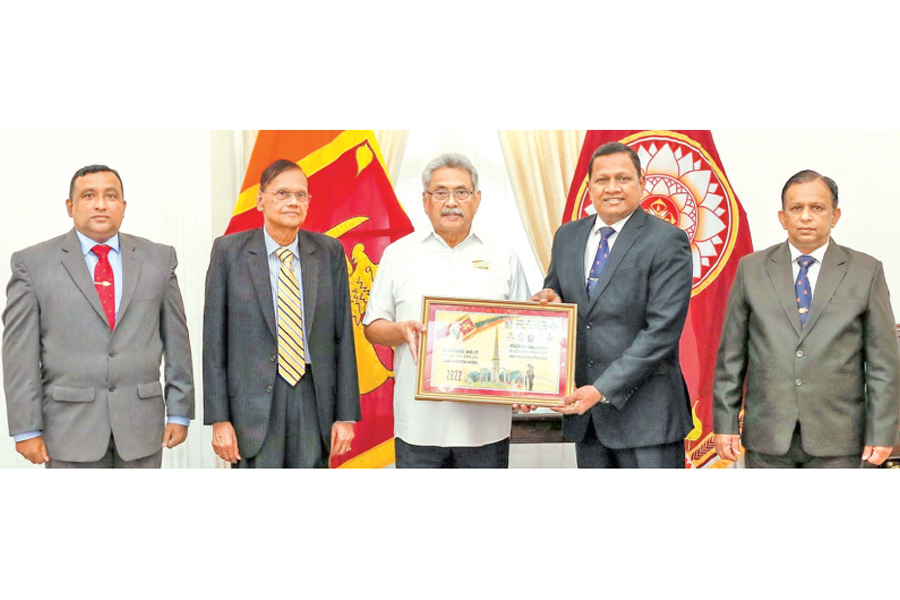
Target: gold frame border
x,y
571,310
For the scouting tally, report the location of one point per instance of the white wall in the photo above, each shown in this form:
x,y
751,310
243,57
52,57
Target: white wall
x,y
181,187
166,176
863,164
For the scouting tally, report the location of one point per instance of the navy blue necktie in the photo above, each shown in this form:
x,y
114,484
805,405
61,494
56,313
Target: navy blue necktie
x,y
804,291
600,259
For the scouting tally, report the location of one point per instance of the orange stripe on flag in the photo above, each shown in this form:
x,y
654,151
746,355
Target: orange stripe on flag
x,y
272,145
311,162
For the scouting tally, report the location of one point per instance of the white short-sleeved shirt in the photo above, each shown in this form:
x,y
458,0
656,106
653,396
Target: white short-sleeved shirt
x,y
422,264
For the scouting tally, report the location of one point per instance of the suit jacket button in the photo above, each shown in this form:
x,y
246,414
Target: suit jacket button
x,y
273,358
590,363
112,388
269,388
799,353
589,325
111,354
799,383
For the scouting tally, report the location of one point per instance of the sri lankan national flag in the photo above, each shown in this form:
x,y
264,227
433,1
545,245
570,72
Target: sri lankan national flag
x,y
354,202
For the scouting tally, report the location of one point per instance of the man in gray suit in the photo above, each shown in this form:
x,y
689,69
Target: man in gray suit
x,y
809,329
630,274
88,319
280,385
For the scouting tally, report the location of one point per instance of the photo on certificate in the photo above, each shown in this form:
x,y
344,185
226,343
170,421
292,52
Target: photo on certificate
x,y
496,352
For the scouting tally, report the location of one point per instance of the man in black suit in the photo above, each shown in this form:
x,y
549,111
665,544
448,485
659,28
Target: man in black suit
x,y
280,385
630,274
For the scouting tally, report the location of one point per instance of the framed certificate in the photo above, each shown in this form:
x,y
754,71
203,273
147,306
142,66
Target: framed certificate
x,y
496,352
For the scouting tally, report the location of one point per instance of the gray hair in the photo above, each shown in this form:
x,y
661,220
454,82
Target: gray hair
x,y
449,161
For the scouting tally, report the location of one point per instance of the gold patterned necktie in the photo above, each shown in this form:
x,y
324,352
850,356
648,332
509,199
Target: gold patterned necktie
x,y
291,353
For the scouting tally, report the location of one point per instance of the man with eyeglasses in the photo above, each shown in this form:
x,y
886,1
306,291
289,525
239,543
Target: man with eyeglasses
x,y
89,317
280,385
449,260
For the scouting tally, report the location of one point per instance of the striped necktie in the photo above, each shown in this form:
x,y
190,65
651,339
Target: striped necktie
x,y
291,346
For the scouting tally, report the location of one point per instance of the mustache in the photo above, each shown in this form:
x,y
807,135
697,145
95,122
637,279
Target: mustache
x,y
452,211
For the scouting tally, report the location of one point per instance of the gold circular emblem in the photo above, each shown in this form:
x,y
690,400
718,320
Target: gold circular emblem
x,y
684,186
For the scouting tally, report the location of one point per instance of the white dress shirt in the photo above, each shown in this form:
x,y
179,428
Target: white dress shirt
x,y
422,264
593,243
814,269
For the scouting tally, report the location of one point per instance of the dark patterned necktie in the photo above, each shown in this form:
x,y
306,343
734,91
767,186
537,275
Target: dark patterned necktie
x,y
804,291
105,283
600,259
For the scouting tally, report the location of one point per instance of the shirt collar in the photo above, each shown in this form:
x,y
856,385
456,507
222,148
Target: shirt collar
x,y
432,233
87,244
819,254
272,246
617,227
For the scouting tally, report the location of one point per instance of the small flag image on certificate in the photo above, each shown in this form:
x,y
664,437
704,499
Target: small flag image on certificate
x,y
496,352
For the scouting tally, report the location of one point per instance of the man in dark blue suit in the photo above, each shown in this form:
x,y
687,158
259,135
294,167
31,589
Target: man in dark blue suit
x,y
630,275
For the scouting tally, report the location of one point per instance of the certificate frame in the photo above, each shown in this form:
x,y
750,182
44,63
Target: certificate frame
x,y
496,352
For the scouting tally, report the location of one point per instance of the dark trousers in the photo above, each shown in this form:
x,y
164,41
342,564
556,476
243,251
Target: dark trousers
x,y
112,460
492,456
796,458
293,440
590,453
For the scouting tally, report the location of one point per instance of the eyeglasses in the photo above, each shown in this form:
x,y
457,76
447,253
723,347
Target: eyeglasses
x,y
444,195
283,195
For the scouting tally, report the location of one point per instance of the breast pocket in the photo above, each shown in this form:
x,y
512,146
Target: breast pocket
x,y
626,290
489,284
847,300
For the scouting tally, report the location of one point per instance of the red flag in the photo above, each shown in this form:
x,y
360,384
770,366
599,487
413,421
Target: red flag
x,y
354,202
686,185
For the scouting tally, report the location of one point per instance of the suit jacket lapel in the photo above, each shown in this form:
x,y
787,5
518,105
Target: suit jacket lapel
x,y
131,272
573,270
782,277
831,274
309,272
258,264
624,241
73,261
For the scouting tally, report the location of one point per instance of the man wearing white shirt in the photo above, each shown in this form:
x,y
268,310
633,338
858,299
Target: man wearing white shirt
x,y
810,334
451,261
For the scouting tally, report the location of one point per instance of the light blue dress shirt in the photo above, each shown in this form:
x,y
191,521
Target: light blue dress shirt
x,y
115,261
275,268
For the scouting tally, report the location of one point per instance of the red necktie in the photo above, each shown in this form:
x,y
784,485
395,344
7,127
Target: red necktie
x,y
105,284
